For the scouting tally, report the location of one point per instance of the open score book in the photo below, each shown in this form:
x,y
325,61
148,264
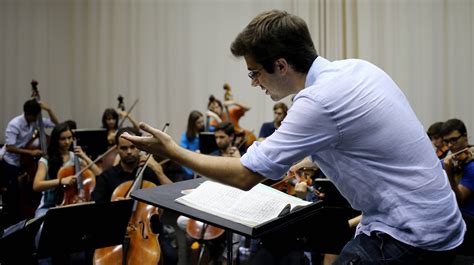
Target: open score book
x,y
251,208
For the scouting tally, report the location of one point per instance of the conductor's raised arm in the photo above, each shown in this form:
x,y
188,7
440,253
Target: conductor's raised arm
x,y
227,170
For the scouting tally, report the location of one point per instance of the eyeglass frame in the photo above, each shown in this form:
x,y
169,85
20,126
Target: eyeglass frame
x,y
453,140
254,73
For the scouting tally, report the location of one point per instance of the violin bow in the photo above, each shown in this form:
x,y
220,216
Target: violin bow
x,y
128,112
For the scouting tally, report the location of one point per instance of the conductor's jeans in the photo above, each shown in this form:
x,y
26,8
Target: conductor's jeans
x,y
380,248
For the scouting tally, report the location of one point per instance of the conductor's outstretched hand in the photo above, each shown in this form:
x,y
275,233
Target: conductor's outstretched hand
x,y
157,142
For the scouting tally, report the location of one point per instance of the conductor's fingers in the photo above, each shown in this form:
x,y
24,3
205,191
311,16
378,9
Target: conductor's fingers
x,y
147,128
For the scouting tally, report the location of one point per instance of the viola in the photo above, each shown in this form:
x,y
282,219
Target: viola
x,y
85,182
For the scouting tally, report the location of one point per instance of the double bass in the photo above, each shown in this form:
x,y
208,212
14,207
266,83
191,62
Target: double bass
x,y
29,200
27,162
245,137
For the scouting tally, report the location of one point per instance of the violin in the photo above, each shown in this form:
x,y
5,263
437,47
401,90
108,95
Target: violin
x,y
141,245
84,185
462,158
304,174
441,152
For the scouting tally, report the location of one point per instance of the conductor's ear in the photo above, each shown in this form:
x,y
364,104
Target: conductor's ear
x,y
281,65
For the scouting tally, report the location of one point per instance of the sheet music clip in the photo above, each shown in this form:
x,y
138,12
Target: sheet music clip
x,y
81,227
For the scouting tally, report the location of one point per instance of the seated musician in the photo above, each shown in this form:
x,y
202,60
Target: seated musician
x,y
434,132
110,122
459,166
19,142
126,170
59,156
224,136
190,138
50,183
356,124
279,113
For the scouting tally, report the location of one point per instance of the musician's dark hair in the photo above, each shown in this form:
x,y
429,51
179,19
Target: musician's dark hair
x,y
109,112
55,160
434,130
214,99
31,107
226,127
191,130
129,130
72,124
453,125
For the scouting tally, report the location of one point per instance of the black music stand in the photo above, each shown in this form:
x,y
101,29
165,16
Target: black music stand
x,y
82,227
92,141
164,196
17,244
207,143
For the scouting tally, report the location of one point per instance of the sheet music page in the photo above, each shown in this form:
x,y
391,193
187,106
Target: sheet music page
x,y
251,208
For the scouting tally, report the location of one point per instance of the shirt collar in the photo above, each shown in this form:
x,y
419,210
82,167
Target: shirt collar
x,y
317,67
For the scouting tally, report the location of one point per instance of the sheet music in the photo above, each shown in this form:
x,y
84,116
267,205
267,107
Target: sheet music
x,y
256,206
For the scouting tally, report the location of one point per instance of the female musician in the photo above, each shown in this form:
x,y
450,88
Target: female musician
x,y
110,121
190,138
59,155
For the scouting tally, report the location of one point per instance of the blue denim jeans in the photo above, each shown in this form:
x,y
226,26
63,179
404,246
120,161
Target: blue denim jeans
x,y
380,248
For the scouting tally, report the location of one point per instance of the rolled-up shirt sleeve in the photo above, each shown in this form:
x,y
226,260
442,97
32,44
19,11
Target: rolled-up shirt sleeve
x,y
11,134
308,128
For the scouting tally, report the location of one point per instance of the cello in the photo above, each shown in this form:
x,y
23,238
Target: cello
x,y
140,245
85,182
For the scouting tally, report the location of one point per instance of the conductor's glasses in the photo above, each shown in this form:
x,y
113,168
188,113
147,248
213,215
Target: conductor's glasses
x,y
254,73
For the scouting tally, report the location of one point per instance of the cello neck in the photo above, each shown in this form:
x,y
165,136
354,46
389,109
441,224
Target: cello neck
x,y
77,168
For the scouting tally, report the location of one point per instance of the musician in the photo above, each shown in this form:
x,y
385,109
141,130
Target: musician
x,y
225,135
190,138
59,156
279,113
230,111
18,139
357,125
434,132
126,170
460,173
110,121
